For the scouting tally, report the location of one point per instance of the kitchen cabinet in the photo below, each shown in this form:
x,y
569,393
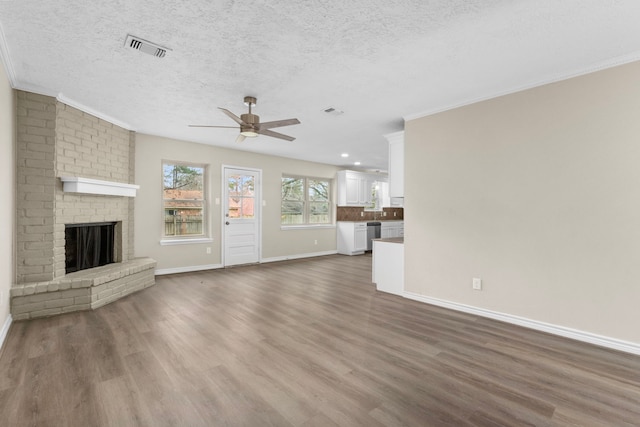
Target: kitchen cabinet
x,y
388,265
396,167
357,188
352,237
356,193
392,229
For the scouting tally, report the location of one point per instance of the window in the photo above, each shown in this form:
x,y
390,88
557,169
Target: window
x,y
305,201
183,200
242,196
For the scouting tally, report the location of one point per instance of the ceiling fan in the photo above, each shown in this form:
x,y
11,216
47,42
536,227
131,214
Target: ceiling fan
x,y
250,125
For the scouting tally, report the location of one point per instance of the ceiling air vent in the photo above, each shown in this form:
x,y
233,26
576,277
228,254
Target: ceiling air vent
x,y
145,46
333,111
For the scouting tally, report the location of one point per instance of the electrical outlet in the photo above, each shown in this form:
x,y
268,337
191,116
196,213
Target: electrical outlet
x,y
395,213
362,213
315,242
384,214
208,250
477,284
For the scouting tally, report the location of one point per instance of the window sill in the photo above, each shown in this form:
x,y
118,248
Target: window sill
x,y
306,226
185,241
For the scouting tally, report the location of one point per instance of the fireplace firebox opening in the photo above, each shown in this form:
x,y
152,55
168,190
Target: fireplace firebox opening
x,y
89,245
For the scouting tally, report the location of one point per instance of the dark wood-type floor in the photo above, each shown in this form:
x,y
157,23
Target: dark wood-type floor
x,y
302,343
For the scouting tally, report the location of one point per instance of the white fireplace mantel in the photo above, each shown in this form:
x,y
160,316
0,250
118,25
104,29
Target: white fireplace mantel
x,y
74,184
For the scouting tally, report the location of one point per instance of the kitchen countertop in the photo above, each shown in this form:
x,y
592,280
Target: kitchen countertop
x,y
376,220
390,240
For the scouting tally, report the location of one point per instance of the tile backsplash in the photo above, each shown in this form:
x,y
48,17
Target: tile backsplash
x,y
351,213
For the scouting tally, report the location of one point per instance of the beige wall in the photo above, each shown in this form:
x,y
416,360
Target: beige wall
x,y
276,243
7,178
538,194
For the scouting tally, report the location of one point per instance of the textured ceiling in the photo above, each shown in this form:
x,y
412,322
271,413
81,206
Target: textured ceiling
x,y
377,60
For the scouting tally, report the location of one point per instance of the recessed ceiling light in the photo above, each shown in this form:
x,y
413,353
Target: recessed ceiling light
x,y
344,154
356,163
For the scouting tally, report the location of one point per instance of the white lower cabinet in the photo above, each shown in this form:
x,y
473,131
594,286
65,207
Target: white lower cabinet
x,y
352,237
391,229
388,266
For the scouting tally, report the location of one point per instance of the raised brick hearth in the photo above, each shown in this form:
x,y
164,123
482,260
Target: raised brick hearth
x,y
82,290
55,141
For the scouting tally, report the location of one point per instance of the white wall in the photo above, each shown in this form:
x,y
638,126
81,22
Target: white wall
x,y
276,243
538,194
7,193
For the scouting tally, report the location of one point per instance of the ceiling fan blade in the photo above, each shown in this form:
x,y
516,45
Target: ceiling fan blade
x,y
240,138
279,123
233,116
274,134
208,126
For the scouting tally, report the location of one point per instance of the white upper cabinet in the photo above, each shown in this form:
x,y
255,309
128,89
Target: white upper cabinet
x,y
361,189
355,193
396,165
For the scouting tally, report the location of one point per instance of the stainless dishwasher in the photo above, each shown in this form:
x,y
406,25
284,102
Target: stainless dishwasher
x,y
373,232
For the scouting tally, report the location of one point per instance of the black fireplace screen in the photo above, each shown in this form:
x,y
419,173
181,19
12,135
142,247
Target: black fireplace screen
x,y
88,245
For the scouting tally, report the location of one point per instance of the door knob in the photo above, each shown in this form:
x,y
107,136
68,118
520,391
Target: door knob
x,y
227,222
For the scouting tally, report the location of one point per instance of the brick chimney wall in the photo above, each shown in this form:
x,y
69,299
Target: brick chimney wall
x,y
55,140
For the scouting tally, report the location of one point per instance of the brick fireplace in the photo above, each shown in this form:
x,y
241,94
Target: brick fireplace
x,y
56,141
90,245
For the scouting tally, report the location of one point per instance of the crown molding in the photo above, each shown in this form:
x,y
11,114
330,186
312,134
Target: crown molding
x,y
395,136
6,59
25,87
609,63
70,102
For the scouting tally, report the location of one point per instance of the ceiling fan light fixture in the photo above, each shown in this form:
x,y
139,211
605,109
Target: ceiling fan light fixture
x,y
249,132
250,125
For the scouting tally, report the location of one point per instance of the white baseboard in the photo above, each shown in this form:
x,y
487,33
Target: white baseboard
x,y
192,268
5,330
298,256
613,343
188,269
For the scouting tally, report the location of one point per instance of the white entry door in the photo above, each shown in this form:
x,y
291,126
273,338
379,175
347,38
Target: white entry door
x,y
241,216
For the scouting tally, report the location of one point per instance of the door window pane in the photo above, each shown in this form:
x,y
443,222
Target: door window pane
x,y
241,201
